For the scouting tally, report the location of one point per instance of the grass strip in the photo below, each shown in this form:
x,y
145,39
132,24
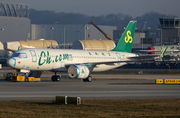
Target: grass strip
x,y
91,109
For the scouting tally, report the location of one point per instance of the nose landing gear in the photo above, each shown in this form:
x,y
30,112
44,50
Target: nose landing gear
x,y
57,78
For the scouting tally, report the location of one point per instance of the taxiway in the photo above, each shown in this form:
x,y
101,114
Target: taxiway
x,y
127,88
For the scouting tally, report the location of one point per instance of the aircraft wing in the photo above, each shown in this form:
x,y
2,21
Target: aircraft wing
x,y
93,64
145,56
159,50
125,61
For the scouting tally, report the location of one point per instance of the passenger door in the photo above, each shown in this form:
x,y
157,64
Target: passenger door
x,y
33,55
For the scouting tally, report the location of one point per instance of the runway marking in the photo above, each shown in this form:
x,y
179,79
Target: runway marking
x,y
159,81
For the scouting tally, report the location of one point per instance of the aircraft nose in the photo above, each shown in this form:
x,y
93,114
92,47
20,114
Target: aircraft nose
x,y
11,62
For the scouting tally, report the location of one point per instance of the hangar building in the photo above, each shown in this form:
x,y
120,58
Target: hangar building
x,y
14,22
67,34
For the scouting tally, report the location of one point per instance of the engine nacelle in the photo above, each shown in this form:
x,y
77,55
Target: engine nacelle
x,y
78,71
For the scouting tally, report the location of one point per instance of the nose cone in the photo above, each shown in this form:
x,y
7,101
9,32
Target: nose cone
x,y
11,62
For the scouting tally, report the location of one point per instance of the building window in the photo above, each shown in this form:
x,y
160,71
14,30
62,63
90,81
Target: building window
x,y
152,33
158,40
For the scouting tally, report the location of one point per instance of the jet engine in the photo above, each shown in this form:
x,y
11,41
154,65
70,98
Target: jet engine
x,y
78,71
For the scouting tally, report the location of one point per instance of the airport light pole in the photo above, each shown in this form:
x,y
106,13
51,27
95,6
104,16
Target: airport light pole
x,y
64,34
56,29
43,34
161,34
51,35
144,24
142,38
78,34
142,33
85,37
2,29
43,31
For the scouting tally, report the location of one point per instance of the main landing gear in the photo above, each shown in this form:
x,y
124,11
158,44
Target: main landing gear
x,y
88,79
55,78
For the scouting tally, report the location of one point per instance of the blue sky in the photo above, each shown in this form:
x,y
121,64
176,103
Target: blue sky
x,y
103,7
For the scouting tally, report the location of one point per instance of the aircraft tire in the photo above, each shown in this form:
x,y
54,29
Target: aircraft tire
x,y
58,78
53,78
89,79
85,80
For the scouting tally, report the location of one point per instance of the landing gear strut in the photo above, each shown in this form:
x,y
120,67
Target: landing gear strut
x,y
88,79
56,78
26,77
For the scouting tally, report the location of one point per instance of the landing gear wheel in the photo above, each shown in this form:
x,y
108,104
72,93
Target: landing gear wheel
x,y
84,80
88,79
55,78
58,78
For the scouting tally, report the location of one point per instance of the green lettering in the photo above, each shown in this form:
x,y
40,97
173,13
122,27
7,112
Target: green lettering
x,y
48,61
65,56
42,60
56,59
60,57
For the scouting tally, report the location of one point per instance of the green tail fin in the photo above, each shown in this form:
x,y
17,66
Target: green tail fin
x,y
126,41
162,54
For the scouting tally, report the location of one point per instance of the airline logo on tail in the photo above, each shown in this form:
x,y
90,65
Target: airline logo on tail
x,y
126,41
128,38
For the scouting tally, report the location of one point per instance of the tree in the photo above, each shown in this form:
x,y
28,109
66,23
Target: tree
x,y
120,20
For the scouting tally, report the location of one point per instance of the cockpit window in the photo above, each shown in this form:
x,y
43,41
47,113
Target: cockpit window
x,y
20,55
15,55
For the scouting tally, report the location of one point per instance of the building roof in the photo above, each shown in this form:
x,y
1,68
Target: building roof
x,y
169,22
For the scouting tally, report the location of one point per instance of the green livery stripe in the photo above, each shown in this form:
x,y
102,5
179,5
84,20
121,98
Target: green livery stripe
x,y
126,41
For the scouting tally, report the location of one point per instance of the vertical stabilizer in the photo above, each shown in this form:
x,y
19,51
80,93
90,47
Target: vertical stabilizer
x,y
126,41
162,54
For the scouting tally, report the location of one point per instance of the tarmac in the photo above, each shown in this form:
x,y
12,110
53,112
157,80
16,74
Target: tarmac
x,y
103,86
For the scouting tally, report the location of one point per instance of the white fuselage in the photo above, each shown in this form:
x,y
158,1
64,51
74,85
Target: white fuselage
x,y
58,59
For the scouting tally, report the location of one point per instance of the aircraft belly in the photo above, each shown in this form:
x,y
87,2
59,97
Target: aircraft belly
x,y
35,66
59,70
104,67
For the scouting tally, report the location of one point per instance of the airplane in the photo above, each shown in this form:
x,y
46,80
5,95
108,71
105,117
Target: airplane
x,y
171,50
156,55
78,63
159,50
171,53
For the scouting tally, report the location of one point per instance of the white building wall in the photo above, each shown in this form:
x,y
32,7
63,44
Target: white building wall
x,y
14,29
72,32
